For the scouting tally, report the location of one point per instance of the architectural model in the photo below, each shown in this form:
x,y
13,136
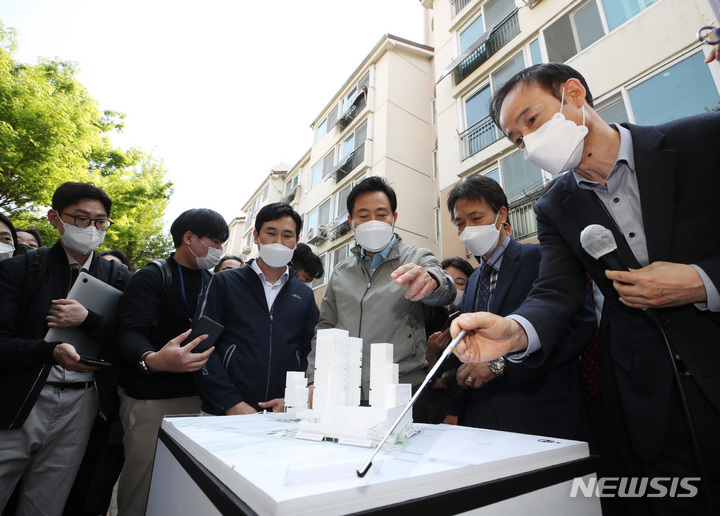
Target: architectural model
x,y
336,411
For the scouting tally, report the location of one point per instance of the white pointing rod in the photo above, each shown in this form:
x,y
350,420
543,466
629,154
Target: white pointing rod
x,y
363,469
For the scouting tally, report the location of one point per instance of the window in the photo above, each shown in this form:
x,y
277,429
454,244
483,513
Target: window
x,y
496,10
613,110
476,106
689,85
573,32
291,184
347,102
535,52
471,34
519,175
321,131
506,71
316,175
340,201
348,145
321,281
618,12
328,162
332,118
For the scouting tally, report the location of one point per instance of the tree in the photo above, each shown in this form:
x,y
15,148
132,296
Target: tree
x,y
52,131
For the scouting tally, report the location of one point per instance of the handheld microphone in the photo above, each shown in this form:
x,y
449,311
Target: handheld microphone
x,y
599,242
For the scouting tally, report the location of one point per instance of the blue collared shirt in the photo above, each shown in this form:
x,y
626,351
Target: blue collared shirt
x,y
371,264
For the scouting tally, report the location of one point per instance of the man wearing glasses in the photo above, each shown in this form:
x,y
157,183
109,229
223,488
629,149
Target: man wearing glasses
x,y
50,399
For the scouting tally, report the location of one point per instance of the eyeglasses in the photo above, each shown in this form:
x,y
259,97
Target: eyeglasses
x,y
82,221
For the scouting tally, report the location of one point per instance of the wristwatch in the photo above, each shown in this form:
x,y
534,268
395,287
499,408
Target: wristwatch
x,y
497,366
142,365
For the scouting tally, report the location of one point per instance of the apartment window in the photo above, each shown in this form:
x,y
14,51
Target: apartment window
x,y
348,145
506,71
535,51
688,83
612,110
340,201
328,162
476,106
339,255
319,216
574,32
291,184
347,102
496,10
472,33
316,175
321,131
618,12
332,118
321,281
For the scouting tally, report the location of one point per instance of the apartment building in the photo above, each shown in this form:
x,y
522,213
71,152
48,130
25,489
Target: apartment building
x,y
417,113
641,58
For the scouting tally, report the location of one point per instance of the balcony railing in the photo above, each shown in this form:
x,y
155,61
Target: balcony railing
x,y
478,136
460,5
522,220
349,163
501,35
359,103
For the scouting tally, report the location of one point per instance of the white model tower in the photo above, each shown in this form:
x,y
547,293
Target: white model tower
x,y
338,368
296,391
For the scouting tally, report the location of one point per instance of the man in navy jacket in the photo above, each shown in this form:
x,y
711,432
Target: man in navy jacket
x,y
269,318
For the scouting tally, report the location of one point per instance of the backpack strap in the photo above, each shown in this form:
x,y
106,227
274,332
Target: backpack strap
x,y
118,271
167,277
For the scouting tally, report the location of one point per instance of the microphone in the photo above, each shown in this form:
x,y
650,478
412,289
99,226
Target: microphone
x,y
599,242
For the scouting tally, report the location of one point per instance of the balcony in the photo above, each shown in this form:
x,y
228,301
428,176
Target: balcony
x,y
358,104
521,215
478,136
348,164
500,36
459,5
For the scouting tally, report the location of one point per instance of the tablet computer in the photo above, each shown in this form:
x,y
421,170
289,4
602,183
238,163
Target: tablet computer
x,y
95,295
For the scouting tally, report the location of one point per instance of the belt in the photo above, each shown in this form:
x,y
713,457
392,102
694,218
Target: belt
x,y
70,385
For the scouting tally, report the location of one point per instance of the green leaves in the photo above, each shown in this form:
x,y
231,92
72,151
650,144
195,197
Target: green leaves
x,y
52,131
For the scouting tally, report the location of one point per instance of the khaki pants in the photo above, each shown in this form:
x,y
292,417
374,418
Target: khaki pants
x,y
141,420
47,451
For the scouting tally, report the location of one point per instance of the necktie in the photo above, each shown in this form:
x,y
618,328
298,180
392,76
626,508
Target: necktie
x,y
483,290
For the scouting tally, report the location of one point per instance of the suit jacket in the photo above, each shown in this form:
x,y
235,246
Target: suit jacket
x,y
677,172
542,400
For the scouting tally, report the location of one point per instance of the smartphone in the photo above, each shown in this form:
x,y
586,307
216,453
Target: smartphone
x,y
95,362
204,326
450,320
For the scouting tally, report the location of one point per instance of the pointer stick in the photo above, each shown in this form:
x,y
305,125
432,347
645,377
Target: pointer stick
x,y
363,469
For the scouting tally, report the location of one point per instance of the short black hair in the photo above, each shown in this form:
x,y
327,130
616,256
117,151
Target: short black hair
x,y
226,258
304,259
477,188
10,226
202,222
458,263
35,233
371,184
277,210
117,254
70,193
549,76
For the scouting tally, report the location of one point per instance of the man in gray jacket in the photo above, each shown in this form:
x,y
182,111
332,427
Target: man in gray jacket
x,y
378,292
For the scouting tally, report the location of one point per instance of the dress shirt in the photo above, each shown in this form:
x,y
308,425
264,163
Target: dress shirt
x,y
371,264
271,289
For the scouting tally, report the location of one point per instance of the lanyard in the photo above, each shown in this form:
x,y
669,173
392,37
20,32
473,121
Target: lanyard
x,y
184,298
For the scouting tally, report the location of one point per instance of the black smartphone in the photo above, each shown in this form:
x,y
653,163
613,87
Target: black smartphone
x,y
95,362
204,326
450,320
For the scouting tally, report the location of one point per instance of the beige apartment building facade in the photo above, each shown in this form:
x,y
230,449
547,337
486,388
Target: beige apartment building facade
x,y
416,113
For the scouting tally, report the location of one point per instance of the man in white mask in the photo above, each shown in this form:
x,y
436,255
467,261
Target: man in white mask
x,y
377,293
50,399
269,318
499,394
656,190
156,313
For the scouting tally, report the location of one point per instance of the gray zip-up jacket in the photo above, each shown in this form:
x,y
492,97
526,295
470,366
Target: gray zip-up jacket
x,y
376,310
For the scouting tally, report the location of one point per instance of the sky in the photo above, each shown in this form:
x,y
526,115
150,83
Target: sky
x,y
220,90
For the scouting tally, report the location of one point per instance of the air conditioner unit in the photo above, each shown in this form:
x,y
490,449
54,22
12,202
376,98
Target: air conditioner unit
x,y
316,235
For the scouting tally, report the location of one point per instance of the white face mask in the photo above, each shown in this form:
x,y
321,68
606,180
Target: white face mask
x,y
480,240
557,146
6,251
82,240
210,260
457,304
373,235
275,255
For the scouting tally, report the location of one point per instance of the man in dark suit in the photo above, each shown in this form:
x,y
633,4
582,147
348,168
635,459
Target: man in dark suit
x,y
656,189
500,394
